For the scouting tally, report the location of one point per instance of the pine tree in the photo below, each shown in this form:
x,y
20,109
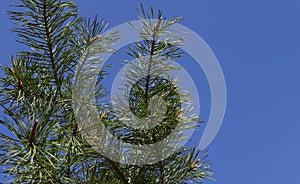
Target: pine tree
x,y
44,141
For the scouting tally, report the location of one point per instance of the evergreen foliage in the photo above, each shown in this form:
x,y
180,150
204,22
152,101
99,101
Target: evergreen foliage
x,y
44,144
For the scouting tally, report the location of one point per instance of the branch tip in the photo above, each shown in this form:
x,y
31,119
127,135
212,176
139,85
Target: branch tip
x,y
94,39
195,164
11,70
104,115
158,24
33,130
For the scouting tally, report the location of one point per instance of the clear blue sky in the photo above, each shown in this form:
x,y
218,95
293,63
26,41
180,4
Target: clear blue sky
x,y
258,46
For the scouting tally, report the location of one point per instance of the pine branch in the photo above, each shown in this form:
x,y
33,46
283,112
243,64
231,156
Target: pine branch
x,y
154,40
117,171
49,44
39,84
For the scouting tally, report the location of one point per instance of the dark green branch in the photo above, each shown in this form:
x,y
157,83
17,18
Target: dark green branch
x,y
117,171
50,46
154,38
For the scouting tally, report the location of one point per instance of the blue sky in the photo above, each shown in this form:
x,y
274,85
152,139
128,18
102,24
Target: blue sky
x,y
257,44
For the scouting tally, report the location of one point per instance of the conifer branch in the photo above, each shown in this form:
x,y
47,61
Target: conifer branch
x,y
49,44
154,39
59,41
117,171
